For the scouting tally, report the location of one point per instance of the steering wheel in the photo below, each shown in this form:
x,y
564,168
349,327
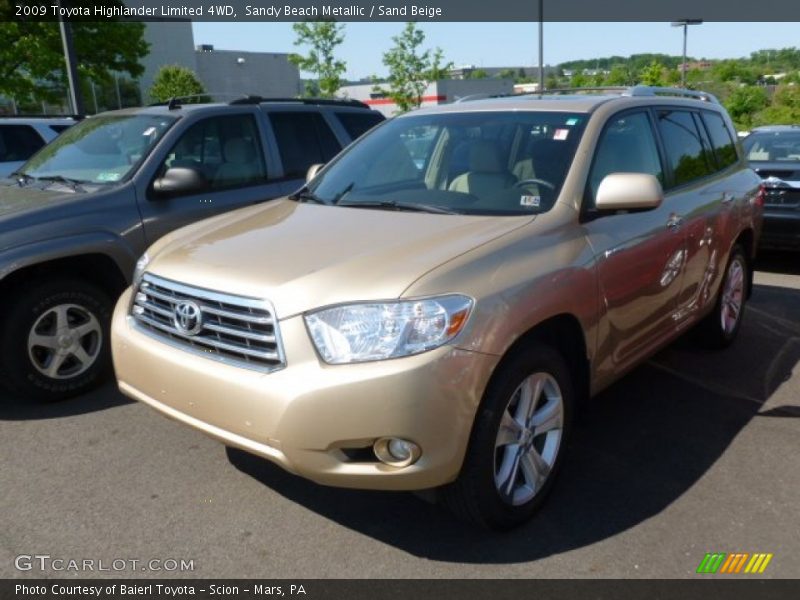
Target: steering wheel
x,y
535,181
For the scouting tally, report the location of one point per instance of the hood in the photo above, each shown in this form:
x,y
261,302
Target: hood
x,y
303,256
14,199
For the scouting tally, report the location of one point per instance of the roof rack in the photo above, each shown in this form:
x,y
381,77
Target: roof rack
x,y
321,101
177,101
637,91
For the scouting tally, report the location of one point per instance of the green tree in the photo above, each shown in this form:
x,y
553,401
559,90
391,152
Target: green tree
x,y
784,110
619,75
32,57
478,74
174,81
578,80
410,70
322,37
652,74
744,102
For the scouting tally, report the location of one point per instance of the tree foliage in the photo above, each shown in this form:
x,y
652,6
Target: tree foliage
x,y
174,81
410,70
32,62
322,37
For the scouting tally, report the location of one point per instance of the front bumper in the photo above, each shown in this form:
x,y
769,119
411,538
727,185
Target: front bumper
x,y
306,415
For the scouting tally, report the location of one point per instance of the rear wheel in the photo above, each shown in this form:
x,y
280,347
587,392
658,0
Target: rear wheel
x,y
517,441
55,339
719,329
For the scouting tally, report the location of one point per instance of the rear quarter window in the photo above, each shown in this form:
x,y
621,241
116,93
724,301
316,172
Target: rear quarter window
x,y
18,142
358,123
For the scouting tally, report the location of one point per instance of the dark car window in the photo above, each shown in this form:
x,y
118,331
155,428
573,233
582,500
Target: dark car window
x,y
18,142
304,139
358,123
226,150
721,139
59,128
627,145
685,152
773,145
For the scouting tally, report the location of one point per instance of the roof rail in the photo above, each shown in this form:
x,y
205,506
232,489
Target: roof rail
x,y
637,91
177,101
649,90
320,101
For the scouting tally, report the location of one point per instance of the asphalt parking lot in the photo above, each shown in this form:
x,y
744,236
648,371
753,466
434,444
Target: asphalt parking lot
x,y
693,452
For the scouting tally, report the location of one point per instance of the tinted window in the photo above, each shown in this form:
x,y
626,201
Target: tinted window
x,y
685,152
226,150
358,123
59,128
18,142
304,139
627,145
721,139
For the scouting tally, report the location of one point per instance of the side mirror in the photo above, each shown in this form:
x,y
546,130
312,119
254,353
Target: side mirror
x,y
628,191
179,180
312,171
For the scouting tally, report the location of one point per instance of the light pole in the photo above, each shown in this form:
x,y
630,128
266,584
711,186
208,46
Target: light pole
x,y
72,68
541,46
685,24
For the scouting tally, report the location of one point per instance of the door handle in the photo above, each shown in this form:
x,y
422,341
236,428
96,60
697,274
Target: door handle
x,y
674,222
727,197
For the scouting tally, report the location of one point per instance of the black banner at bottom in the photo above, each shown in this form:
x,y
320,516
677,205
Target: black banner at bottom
x,y
702,588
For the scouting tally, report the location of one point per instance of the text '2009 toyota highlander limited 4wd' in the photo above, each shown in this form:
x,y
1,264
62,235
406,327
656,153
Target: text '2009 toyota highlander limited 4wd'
x,y
427,310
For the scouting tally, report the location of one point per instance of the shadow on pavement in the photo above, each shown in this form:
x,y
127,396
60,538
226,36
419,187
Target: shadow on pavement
x,y
637,448
18,409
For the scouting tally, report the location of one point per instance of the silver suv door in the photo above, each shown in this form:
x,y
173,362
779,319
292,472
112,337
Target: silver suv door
x,y
639,254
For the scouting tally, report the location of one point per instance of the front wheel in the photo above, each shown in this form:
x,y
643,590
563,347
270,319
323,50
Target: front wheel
x,y
719,329
517,442
55,339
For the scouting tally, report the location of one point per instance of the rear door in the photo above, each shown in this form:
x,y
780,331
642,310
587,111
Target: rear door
x,y
639,254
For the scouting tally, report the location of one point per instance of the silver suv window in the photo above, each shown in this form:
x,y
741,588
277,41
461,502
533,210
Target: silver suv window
x,y
501,163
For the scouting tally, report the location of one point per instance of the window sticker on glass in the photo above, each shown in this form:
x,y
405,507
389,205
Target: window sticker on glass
x,y
572,122
560,134
108,177
530,201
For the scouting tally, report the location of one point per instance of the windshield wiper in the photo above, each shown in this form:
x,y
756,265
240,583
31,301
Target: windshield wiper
x,y
408,206
306,195
73,183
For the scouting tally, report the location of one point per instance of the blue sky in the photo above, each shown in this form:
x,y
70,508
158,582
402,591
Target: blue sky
x,y
499,44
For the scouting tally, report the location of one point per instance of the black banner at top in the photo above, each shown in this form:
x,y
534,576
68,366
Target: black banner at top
x,y
244,11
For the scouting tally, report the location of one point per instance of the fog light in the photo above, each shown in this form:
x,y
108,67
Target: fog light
x,y
397,452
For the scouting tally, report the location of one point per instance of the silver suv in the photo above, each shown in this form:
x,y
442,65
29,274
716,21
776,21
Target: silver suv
x,y
427,311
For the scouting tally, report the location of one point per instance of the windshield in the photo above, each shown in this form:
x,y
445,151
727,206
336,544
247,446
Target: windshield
x,y
503,163
778,145
99,149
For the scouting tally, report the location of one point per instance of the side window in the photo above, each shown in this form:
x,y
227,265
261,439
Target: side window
x,y
358,123
60,128
226,150
627,145
304,139
721,139
684,148
18,142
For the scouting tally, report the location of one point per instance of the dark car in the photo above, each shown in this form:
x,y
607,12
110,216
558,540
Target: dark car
x,y
75,218
774,153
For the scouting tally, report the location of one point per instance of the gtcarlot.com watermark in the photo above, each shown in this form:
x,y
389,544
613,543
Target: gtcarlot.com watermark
x,y
48,563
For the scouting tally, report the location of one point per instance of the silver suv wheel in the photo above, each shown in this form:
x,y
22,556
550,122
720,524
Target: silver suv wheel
x,y
65,341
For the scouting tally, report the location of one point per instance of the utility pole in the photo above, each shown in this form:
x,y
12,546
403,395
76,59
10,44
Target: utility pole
x,y
75,99
685,24
541,46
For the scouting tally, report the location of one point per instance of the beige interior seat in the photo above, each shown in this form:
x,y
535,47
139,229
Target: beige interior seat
x,y
487,174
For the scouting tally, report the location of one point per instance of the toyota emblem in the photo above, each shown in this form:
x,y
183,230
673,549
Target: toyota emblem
x,y
187,317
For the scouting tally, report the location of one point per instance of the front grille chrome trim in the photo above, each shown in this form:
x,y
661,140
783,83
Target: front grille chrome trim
x,y
237,330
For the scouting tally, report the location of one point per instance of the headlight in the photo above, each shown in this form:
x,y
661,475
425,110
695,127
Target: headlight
x,y
376,331
141,265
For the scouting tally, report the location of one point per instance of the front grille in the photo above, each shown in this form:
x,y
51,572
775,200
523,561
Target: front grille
x,y
233,329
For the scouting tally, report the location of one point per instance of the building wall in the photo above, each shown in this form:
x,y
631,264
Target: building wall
x,y
437,92
171,43
266,74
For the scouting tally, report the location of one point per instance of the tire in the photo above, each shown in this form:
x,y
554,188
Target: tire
x,y
507,474
719,329
55,339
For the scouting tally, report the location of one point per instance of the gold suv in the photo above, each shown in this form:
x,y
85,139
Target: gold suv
x,y
428,309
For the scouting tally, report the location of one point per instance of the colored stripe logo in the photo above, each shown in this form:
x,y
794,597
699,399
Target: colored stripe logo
x,y
736,562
